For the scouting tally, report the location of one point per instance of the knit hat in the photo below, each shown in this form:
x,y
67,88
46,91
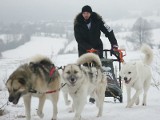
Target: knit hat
x,y
87,9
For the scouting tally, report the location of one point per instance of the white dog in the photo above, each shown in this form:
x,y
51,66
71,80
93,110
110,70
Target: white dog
x,y
138,75
83,81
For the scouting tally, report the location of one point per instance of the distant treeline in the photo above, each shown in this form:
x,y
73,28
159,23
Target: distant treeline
x,y
25,30
58,27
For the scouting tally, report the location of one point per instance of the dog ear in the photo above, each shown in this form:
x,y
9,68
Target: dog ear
x,y
80,66
33,66
63,67
22,81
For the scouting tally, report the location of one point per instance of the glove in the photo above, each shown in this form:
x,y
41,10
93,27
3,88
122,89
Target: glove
x,y
92,50
113,48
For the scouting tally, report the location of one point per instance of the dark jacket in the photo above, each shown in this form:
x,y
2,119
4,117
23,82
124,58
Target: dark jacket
x,y
90,38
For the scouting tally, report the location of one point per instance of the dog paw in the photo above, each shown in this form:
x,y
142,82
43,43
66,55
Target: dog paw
x,y
128,106
77,118
99,115
54,119
137,102
144,104
28,118
40,114
70,110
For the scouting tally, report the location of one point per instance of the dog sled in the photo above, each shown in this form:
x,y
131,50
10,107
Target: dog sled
x,y
111,64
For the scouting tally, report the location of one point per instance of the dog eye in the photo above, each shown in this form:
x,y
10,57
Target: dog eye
x,y
68,72
14,90
129,72
75,72
22,81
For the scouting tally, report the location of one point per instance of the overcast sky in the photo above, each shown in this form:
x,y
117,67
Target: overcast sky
x,y
20,10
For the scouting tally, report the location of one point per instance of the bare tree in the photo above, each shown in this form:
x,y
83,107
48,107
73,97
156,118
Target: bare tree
x,y
141,33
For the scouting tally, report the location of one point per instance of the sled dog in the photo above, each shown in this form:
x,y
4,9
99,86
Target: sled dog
x,y
35,79
138,75
83,81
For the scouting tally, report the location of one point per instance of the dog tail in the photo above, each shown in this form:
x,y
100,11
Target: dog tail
x,y
89,58
148,54
40,59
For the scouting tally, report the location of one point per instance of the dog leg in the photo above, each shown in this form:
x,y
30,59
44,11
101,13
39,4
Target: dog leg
x,y
137,101
54,102
132,101
78,106
144,99
78,110
71,109
146,88
40,106
100,99
27,104
100,106
65,95
128,95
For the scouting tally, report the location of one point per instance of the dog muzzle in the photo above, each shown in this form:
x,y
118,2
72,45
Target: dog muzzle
x,y
126,80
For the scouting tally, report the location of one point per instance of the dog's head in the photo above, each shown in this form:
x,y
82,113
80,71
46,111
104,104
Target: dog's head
x,y
17,84
128,72
72,74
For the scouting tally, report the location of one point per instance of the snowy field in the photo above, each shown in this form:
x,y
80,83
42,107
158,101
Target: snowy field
x,y
112,111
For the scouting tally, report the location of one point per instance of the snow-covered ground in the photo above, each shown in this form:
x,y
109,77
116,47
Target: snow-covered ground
x,y
49,47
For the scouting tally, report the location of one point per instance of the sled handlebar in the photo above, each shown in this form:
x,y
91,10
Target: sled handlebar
x,y
118,53
92,51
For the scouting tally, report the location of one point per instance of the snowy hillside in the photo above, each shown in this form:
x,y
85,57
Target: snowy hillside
x,y
37,45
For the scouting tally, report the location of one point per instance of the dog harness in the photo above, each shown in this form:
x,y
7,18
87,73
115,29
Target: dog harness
x,y
47,92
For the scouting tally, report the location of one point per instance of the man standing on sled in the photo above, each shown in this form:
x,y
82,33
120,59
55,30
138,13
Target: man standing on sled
x,y
87,30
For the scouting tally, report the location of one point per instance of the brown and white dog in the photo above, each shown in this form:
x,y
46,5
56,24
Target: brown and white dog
x,y
34,77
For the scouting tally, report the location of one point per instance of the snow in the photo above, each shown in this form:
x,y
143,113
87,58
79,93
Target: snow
x,y
155,34
50,47
43,45
112,111
74,46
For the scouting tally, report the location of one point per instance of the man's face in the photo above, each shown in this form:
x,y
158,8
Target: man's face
x,y
86,15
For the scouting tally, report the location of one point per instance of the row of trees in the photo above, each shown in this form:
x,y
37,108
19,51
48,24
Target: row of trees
x,y
49,27
27,29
